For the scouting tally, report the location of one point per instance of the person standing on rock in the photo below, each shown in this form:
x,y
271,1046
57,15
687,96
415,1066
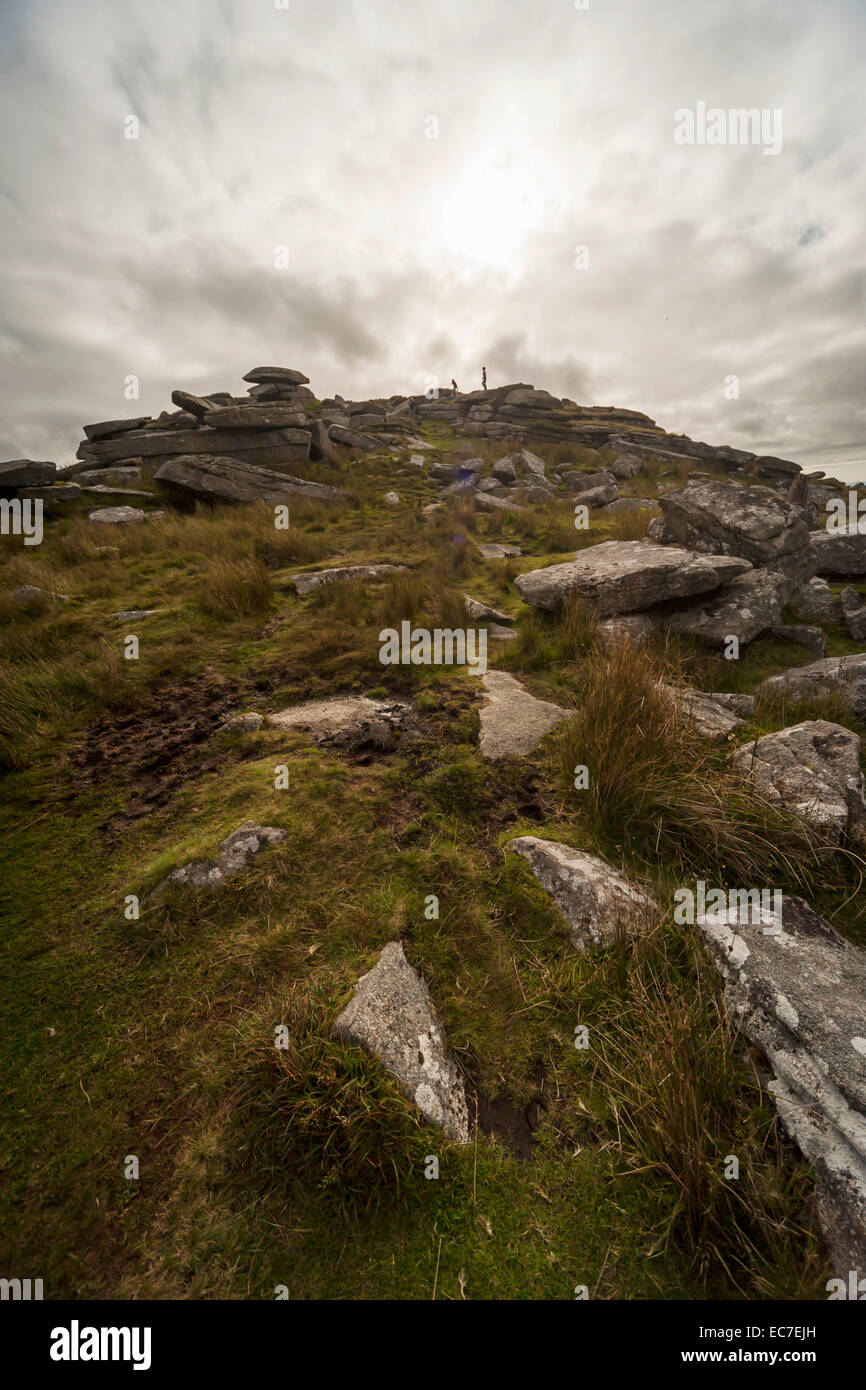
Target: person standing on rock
x,y
454,386
483,378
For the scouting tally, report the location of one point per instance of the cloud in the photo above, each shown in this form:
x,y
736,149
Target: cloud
x,y
307,128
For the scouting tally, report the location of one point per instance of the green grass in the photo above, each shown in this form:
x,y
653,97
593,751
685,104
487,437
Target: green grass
x,y
154,1037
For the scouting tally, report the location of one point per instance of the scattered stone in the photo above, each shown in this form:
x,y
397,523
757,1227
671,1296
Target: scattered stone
x,y
489,503
314,579
495,551
799,995
812,638
513,722
626,466
628,576
28,593
504,469
353,439
230,480
118,516
593,897
236,851
197,406
131,615
483,611
125,475
708,717
854,613
497,633
814,770
845,675
416,460
351,722
597,496
392,1016
392,499
243,723
817,600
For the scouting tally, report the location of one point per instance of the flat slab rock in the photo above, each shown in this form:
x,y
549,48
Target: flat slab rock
x,y
392,1016
475,608
812,768
230,480
845,674
351,721
745,608
628,576
513,722
495,551
799,994
314,579
235,852
593,897
122,516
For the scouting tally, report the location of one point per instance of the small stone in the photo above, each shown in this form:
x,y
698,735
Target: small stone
x,y
595,899
513,722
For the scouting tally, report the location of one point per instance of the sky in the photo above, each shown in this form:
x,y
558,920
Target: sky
x,y
389,193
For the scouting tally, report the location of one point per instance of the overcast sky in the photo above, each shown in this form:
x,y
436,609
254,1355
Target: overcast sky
x,y
408,257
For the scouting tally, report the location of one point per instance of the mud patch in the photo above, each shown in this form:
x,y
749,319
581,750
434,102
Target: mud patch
x,y
510,1124
157,746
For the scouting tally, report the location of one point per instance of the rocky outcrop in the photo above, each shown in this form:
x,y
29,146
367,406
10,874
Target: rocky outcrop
x,y
841,552
230,480
754,523
512,721
835,675
748,606
812,769
595,899
628,576
799,994
17,473
392,1016
710,716
817,600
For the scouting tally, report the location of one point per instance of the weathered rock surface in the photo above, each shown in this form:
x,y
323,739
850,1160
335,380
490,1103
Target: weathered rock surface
x,y
745,608
597,496
812,638
817,600
799,994
120,516
854,613
353,439
634,628
269,446
494,551
28,593
392,1016
255,417
752,522
628,576
244,723
593,897
125,475
351,722
282,376
230,480
841,552
483,612
843,674
235,852
710,717
812,769
513,722
26,473
314,579
106,429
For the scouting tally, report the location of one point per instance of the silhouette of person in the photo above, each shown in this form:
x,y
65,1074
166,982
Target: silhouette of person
x,y
454,385
483,378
